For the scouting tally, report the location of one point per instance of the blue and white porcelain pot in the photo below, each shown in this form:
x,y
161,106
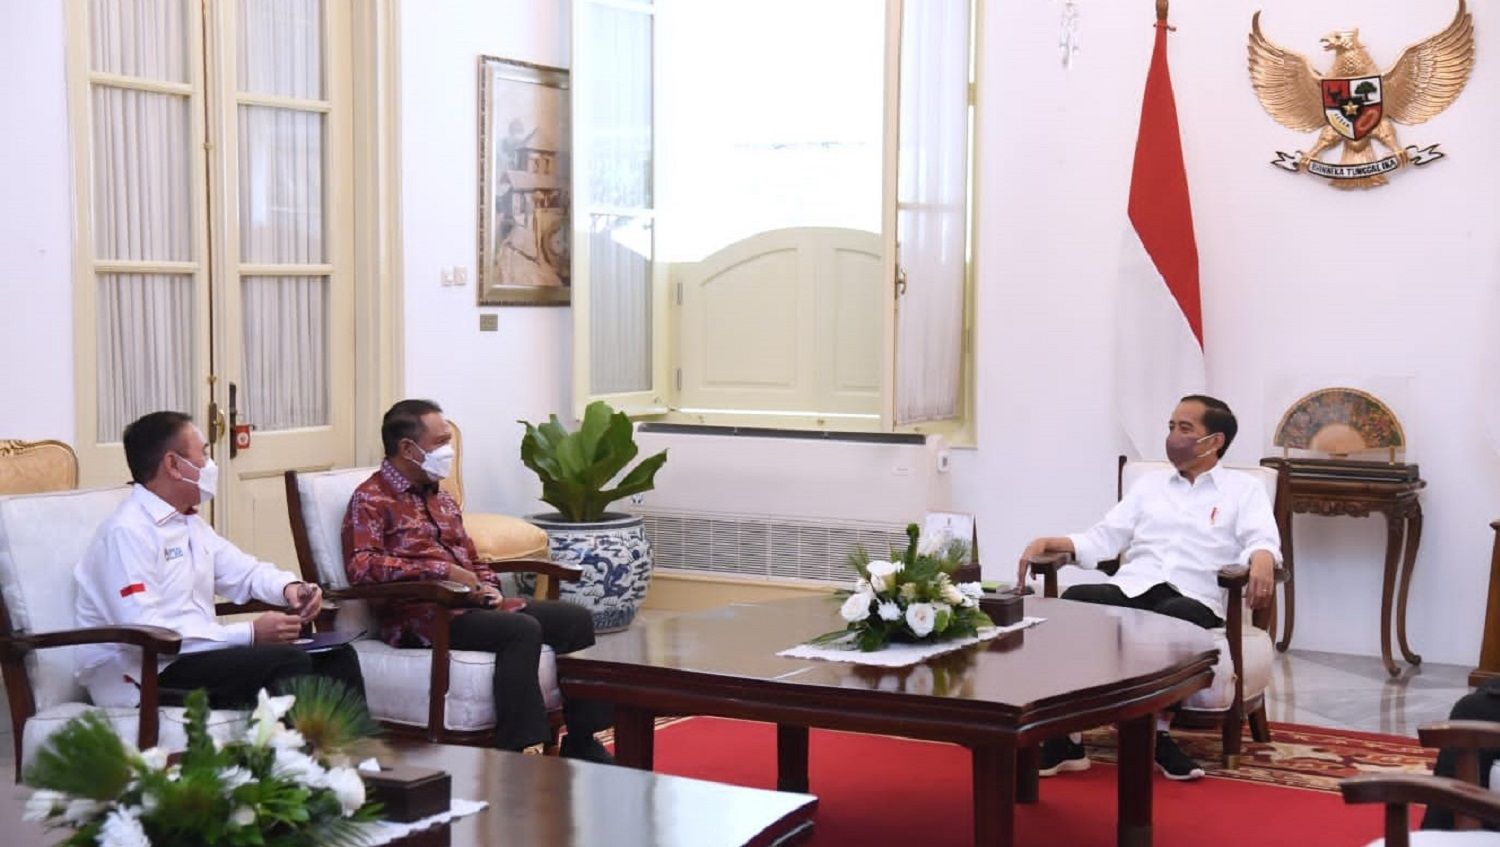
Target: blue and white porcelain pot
x,y
615,556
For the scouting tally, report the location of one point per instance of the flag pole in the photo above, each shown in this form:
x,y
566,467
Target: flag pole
x,y
1161,11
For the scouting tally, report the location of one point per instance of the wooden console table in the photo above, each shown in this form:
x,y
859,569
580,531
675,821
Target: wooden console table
x,y
1337,487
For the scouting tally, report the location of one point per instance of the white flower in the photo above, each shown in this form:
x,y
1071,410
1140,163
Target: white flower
x,y
889,611
43,804
882,573
243,816
283,738
299,767
122,829
345,783
267,716
862,586
369,765
80,810
856,608
155,758
952,594
971,589
235,777
909,592
921,617
149,803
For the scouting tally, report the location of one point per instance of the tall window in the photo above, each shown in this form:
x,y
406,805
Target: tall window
x,y
773,228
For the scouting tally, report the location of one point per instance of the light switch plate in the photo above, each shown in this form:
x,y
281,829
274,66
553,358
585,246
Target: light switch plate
x,y
489,323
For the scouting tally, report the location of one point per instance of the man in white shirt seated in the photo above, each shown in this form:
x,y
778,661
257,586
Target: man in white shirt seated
x,y
156,562
1173,531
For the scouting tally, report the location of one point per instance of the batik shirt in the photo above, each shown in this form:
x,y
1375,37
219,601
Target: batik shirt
x,y
399,531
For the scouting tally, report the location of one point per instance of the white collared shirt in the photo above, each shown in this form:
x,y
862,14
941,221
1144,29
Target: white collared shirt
x,y
1170,530
150,564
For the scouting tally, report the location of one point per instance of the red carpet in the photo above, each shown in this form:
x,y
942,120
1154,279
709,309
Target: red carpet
x,y
885,791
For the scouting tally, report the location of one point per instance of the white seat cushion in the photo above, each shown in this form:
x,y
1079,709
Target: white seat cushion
x,y
1257,654
396,685
222,725
1438,838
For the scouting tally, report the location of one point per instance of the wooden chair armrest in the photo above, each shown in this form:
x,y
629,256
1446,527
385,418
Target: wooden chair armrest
x,y
1239,575
440,591
565,573
1460,797
161,640
250,607
1462,734
1045,565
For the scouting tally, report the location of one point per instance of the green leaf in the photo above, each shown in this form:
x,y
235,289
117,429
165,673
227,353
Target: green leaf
x,y
575,467
85,759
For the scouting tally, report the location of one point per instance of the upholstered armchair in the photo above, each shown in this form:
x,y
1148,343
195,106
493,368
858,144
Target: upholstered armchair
x,y
441,694
1245,651
34,467
1470,803
42,538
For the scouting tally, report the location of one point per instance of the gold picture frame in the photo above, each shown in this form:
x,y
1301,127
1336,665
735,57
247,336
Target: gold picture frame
x,y
525,202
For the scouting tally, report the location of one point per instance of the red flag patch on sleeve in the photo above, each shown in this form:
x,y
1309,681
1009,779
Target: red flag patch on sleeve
x,y
133,588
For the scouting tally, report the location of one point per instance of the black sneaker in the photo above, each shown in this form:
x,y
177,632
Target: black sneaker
x,y
1172,762
585,748
1060,755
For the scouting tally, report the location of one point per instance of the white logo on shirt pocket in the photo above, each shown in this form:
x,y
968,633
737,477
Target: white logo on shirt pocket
x,y
174,553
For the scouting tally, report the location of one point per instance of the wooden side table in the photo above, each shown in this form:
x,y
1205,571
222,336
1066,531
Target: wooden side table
x,y
1356,489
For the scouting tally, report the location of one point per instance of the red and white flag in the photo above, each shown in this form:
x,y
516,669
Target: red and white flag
x,y
1159,337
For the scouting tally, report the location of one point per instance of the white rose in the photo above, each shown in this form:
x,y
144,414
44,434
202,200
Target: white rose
x,y
952,594
971,589
921,617
883,574
122,829
243,816
155,758
80,810
889,611
234,778
42,804
345,783
298,767
856,608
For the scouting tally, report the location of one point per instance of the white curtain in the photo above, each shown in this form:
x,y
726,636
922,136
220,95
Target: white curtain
x,y
932,229
614,100
142,211
285,320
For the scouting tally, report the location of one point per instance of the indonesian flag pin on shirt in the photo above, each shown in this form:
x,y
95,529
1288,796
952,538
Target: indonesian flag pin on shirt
x,y
133,588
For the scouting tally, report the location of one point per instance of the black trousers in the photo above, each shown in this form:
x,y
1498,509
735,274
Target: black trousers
x,y
234,676
1161,598
516,639
1482,705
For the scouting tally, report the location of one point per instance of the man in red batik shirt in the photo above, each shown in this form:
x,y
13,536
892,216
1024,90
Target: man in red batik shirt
x,y
400,527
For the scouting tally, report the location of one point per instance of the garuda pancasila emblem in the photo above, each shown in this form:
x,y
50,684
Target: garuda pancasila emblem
x,y
1356,103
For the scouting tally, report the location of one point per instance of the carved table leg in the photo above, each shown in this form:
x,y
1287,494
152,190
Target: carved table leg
x,y
791,758
1413,541
1137,744
1028,776
1395,526
635,737
994,795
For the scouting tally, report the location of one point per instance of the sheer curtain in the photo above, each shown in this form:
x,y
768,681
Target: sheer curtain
x,y
142,211
614,99
931,226
285,317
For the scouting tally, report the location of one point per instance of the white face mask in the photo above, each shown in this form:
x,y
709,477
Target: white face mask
x,y
439,463
208,480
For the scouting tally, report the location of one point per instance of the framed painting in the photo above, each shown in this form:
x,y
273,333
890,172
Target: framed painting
x,y
524,176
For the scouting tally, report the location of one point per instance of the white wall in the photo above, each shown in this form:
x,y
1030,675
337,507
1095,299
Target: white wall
x,y
36,281
1300,282
484,380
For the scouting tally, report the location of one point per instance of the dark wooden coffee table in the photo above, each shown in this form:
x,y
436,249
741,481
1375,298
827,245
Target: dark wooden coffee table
x,y
543,801
1084,667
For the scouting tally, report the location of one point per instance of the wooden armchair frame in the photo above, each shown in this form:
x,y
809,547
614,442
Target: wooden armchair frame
x,y
1470,802
1234,578
444,593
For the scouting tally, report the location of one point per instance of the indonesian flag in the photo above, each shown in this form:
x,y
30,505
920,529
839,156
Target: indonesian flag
x,y
1159,340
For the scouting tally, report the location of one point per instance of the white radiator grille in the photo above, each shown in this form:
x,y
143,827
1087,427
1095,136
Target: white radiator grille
x,y
748,545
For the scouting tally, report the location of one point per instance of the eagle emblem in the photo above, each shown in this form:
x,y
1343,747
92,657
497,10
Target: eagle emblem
x,y
1355,103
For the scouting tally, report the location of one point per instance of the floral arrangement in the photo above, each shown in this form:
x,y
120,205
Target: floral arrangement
x,y
911,597
275,787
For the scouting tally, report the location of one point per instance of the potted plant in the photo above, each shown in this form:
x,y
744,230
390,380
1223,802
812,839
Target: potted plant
x,y
610,547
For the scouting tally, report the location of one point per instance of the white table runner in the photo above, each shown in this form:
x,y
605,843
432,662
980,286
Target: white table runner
x,y
898,655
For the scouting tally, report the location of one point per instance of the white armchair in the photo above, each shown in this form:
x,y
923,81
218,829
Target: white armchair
x,y
441,695
1243,672
42,538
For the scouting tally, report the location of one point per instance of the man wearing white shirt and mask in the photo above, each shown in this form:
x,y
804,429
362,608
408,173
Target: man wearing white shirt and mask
x,y
1173,531
156,562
